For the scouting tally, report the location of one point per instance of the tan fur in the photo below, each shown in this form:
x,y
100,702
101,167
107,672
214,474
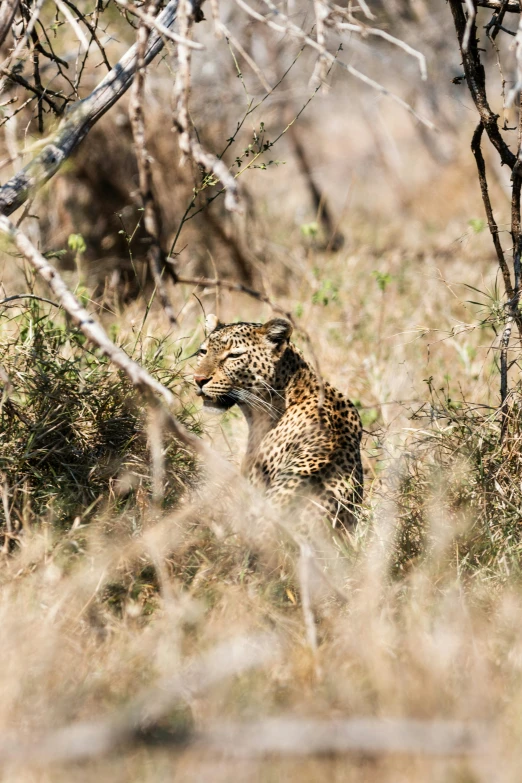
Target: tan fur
x,y
294,450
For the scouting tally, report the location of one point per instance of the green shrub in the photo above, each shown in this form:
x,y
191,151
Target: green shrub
x,y
73,433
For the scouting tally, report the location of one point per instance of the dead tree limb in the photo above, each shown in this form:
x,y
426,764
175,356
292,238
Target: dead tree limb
x,y
283,737
80,119
140,721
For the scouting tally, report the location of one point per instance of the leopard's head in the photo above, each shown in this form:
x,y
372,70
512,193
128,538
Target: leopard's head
x,y
237,363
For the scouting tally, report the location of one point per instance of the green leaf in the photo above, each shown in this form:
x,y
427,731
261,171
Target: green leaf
x,y
477,224
76,243
382,279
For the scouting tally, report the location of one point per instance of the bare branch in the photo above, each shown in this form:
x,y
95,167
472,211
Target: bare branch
x,y
515,90
512,5
188,141
472,12
82,116
22,43
280,736
154,24
292,736
92,29
151,213
363,30
493,228
476,80
300,35
82,38
504,345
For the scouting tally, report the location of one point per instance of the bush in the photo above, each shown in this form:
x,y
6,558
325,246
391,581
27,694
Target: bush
x,y
458,469
73,436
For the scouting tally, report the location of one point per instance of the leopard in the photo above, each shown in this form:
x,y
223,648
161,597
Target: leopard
x,y
304,435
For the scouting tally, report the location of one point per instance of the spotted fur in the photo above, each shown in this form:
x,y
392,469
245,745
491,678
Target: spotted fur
x,y
294,448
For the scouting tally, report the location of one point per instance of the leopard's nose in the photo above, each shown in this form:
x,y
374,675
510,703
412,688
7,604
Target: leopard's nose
x,y
201,380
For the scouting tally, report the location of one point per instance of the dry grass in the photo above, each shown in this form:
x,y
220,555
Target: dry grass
x,y
417,616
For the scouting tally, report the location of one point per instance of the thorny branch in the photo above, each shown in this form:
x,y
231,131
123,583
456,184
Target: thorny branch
x,y
92,29
153,24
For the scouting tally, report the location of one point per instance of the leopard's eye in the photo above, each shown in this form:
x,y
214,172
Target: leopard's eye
x,y
233,355
202,352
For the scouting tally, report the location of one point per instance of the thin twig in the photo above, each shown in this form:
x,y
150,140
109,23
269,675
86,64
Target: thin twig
x,y
153,24
492,224
92,29
151,213
299,34
15,297
504,345
82,38
188,142
472,12
22,43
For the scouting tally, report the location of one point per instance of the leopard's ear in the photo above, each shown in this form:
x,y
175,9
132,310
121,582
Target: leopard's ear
x,y
277,330
211,322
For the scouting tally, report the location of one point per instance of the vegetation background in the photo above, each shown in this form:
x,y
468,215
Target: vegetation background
x,y
157,619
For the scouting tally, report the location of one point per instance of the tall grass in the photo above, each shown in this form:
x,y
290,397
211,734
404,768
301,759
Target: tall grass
x,y
107,595
123,568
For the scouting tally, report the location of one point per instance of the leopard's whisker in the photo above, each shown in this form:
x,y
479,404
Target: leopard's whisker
x,y
257,402
271,388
